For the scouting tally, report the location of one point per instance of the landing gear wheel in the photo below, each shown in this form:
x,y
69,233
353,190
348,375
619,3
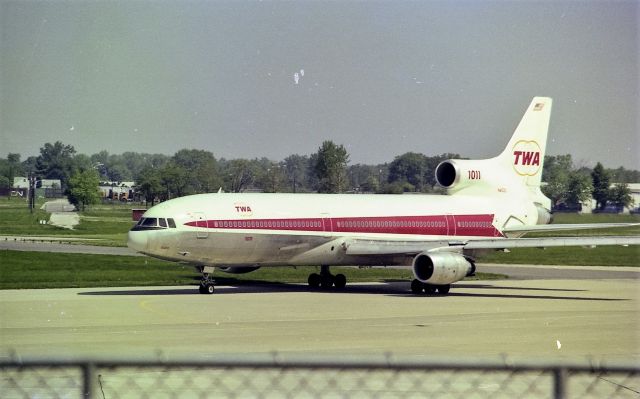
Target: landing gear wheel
x,y
314,280
207,288
206,283
340,281
326,281
417,287
429,289
444,289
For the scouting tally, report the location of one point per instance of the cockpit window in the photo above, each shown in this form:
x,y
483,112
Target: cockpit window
x,y
150,222
154,224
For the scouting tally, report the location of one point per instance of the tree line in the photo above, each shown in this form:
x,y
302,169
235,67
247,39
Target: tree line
x,y
569,186
192,171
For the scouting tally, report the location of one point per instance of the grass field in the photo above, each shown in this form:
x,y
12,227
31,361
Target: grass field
x,y
20,270
577,256
108,224
570,256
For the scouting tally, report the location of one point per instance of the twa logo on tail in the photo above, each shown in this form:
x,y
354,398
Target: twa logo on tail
x,y
526,158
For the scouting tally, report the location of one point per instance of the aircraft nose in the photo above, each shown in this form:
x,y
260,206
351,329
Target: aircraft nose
x,y
137,240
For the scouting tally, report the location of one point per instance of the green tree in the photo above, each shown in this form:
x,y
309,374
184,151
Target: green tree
x,y
578,188
621,195
56,162
364,178
622,175
29,166
149,184
239,174
397,187
295,169
173,178
556,174
83,188
331,167
601,186
408,168
100,161
201,170
137,162
118,171
81,162
111,167
271,177
4,182
14,167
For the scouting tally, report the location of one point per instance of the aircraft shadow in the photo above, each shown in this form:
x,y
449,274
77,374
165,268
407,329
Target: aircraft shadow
x,y
518,288
396,289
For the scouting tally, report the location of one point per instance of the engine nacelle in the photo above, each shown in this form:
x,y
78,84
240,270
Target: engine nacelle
x,y
447,174
239,269
456,174
440,268
479,176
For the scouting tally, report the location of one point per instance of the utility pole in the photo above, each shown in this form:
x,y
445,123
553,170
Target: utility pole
x,y
32,193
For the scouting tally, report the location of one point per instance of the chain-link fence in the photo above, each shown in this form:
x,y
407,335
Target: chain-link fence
x,y
273,378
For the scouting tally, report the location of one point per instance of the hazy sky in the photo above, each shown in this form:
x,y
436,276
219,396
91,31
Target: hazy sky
x,y
382,78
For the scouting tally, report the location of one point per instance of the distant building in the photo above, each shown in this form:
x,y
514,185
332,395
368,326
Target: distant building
x,y
590,206
45,188
635,194
49,183
20,182
119,191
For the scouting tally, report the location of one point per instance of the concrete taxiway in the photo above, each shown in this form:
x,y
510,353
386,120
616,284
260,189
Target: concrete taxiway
x,y
525,319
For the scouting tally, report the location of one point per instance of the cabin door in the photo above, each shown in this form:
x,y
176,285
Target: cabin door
x,y
201,223
451,225
326,223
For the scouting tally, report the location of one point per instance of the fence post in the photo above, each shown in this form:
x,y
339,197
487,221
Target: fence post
x,y
88,380
559,382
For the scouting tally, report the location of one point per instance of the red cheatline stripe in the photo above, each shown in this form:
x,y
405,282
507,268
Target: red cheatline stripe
x,y
453,225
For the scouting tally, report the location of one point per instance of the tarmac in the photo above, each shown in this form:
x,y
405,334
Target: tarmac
x,y
543,313
552,319
515,272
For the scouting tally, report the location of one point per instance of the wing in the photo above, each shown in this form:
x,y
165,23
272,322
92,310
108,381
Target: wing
x,y
560,227
544,242
369,247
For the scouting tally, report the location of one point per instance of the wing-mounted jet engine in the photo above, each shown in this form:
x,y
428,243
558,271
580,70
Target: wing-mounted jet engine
x,y
438,270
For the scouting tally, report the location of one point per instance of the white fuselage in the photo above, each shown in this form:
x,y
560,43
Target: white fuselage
x,y
244,230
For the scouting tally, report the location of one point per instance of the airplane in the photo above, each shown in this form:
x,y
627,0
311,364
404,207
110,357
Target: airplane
x,y
490,204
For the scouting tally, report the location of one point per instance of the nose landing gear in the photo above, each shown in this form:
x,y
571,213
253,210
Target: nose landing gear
x,y
206,283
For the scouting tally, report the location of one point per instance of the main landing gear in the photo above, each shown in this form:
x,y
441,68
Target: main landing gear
x,y
326,280
206,283
418,287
